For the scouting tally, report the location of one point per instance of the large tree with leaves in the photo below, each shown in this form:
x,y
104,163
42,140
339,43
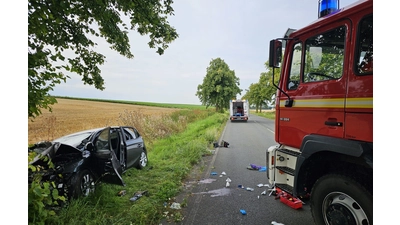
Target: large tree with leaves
x,y
55,27
262,92
219,86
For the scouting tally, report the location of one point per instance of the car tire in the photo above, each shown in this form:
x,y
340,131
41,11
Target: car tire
x,y
82,184
143,160
337,199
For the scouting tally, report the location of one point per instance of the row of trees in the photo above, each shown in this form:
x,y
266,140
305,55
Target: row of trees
x,y
221,85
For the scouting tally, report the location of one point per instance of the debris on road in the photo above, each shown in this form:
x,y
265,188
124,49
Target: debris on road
x,y
224,144
255,167
276,223
243,212
228,182
249,189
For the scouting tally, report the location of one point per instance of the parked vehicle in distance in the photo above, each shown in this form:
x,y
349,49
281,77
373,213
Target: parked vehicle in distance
x,y
239,110
84,158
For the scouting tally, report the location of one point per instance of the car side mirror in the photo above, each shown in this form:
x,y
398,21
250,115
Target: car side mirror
x,y
89,146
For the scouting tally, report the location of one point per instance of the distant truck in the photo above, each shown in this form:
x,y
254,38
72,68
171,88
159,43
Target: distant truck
x,y
239,110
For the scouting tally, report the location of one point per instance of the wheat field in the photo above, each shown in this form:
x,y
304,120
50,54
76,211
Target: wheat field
x,y
70,115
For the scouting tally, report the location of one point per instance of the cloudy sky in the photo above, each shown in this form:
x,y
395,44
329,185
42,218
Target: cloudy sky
x,y
236,31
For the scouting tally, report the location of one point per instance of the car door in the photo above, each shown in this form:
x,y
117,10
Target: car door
x,y
134,145
106,162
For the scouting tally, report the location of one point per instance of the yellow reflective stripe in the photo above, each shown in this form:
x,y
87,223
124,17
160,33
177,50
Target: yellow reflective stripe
x,y
332,103
317,103
359,103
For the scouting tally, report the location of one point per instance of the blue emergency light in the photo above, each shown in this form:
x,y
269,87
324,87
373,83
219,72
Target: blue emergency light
x,y
326,7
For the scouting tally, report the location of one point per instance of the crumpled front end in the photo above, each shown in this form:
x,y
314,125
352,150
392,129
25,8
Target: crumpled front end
x,y
54,163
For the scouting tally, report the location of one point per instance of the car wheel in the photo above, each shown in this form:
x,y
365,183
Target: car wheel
x,y
142,160
82,184
337,200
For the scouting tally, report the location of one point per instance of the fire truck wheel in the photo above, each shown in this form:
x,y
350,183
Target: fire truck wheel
x,y
336,199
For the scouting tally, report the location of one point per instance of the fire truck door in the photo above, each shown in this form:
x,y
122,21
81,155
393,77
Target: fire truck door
x,y
316,81
359,101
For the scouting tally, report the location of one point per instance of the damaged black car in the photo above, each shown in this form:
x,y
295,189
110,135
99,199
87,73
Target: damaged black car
x,y
81,160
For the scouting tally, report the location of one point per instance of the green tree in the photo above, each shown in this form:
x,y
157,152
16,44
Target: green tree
x,y
59,27
219,86
261,93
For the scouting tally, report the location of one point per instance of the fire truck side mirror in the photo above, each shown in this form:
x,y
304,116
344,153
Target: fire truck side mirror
x,y
275,53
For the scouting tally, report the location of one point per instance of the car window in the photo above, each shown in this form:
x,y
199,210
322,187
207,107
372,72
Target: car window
x,y
102,140
130,133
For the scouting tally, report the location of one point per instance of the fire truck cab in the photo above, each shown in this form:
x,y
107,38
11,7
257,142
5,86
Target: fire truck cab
x,y
324,114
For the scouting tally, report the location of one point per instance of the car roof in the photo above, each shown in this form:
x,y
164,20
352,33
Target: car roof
x,y
76,138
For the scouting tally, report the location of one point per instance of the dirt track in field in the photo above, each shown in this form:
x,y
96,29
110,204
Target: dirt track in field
x,y
69,116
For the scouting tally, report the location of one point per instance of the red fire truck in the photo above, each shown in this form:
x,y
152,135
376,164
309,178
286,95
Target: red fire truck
x,y
324,117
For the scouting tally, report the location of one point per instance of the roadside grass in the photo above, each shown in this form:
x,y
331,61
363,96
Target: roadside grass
x,y
171,158
268,114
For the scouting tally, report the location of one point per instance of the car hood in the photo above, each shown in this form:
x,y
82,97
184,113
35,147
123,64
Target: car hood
x,y
52,150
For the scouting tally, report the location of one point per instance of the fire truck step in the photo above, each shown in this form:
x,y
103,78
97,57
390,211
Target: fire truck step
x,y
289,152
286,170
285,187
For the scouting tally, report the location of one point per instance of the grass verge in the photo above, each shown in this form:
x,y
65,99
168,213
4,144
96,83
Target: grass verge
x,y
269,114
170,161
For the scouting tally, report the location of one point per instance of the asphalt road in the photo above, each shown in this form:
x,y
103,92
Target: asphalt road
x,y
209,200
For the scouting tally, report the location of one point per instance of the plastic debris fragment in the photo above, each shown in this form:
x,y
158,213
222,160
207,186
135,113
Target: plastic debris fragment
x,y
243,212
276,223
263,169
213,173
228,181
137,195
175,205
122,193
223,173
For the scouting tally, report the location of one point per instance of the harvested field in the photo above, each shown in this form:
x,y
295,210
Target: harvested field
x,y
71,115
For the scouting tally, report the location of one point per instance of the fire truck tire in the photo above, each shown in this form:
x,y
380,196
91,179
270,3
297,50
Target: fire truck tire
x,y
337,199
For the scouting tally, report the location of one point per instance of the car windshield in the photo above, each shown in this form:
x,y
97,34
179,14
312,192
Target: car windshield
x,y
74,139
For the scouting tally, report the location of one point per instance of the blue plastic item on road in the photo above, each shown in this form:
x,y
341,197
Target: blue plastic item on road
x,y
263,169
243,212
214,173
